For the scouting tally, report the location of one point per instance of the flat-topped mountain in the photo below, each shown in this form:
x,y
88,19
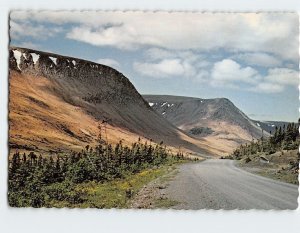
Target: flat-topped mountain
x,y
57,102
217,120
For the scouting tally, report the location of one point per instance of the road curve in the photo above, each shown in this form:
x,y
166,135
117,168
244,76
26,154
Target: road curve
x,y
219,184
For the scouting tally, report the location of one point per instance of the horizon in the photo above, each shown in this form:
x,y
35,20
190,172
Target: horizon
x,y
260,77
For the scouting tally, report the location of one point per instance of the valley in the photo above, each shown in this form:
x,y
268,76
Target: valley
x,y
61,105
83,135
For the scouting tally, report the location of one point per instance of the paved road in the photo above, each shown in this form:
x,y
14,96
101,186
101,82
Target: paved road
x,y
219,184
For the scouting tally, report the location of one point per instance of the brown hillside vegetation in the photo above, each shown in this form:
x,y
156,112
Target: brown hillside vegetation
x,y
56,107
40,119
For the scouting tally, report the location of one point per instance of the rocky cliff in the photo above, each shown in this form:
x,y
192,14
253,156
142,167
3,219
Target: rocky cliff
x,y
100,82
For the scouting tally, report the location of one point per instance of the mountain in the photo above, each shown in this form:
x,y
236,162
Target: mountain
x,y
57,102
218,120
270,126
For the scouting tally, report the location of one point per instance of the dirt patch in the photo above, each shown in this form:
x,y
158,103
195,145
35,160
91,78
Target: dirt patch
x,y
38,102
153,195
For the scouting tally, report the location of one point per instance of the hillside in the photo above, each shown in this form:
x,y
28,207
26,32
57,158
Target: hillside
x,y
218,120
56,104
270,126
275,157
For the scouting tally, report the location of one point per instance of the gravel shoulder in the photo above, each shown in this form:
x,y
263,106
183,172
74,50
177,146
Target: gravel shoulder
x,y
153,195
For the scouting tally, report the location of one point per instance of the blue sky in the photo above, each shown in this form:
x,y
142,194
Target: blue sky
x,y
251,59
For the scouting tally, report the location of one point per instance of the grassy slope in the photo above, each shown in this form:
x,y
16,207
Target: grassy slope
x,y
117,193
38,117
278,168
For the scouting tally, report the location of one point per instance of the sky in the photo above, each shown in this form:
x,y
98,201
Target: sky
x,y
250,58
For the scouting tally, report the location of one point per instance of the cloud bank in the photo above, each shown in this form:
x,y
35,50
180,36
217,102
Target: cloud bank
x,y
275,33
255,52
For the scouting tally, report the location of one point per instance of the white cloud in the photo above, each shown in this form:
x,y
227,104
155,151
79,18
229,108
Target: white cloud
x,y
258,59
25,29
275,33
154,54
119,36
283,76
229,71
158,53
277,80
165,68
267,88
178,40
165,63
226,73
109,62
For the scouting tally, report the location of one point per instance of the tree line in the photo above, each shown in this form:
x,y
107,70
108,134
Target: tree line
x,y
284,138
36,180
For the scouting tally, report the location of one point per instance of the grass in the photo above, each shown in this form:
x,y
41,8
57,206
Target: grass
x,y
117,193
277,169
282,176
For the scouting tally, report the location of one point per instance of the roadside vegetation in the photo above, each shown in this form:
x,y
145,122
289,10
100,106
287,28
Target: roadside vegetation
x,y
276,156
105,176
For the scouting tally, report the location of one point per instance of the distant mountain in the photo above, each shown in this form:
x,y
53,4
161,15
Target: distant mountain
x,y
57,102
218,120
270,126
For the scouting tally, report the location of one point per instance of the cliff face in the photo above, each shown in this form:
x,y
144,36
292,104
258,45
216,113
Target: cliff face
x,y
100,82
67,97
102,91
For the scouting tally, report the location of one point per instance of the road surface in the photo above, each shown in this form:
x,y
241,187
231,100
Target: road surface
x,y
219,184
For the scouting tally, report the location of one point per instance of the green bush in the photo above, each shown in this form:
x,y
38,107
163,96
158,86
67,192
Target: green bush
x,y
36,181
285,138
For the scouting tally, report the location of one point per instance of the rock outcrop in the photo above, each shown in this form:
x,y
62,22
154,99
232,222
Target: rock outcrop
x,y
103,83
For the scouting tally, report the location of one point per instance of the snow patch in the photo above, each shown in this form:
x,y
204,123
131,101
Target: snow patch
x,y
273,125
164,113
74,62
17,55
164,104
54,59
35,57
151,104
258,124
